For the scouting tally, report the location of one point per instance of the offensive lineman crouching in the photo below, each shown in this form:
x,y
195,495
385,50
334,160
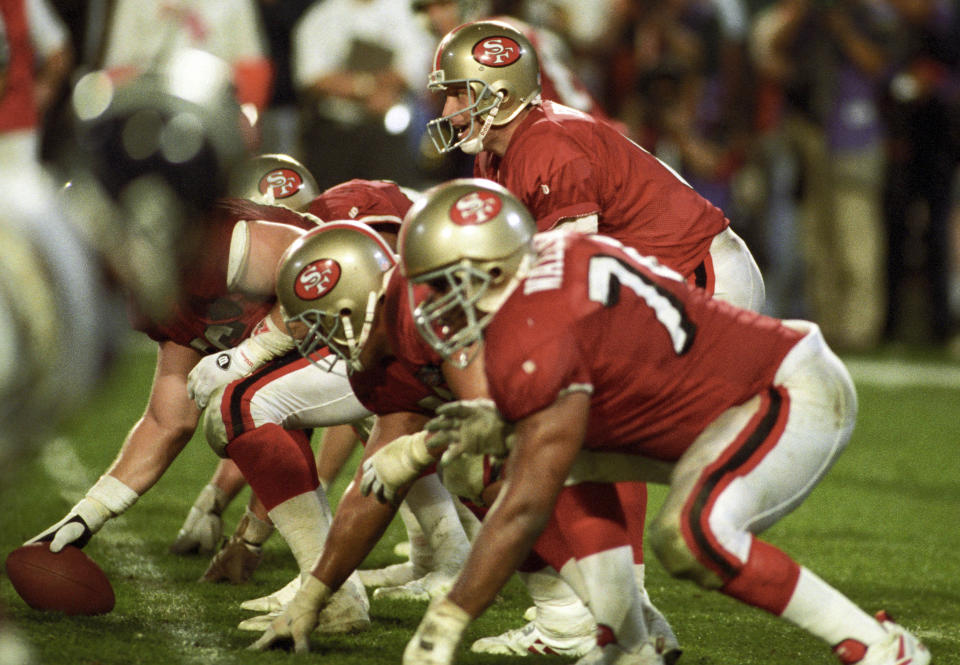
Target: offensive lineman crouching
x,y
752,411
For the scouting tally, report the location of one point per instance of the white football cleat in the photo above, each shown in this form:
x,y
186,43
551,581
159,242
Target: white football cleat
x,y
613,654
899,647
392,575
275,601
528,640
431,585
661,632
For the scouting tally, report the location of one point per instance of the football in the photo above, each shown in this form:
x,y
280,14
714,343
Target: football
x,y
68,581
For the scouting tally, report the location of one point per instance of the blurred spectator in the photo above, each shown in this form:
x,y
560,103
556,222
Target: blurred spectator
x,y
357,66
828,59
140,32
280,125
35,58
777,162
590,30
923,114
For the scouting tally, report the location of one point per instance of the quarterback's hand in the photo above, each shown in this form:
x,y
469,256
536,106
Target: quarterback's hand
x,y
394,466
470,426
203,527
298,620
108,498
437,636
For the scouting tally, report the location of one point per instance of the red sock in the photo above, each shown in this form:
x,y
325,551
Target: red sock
x,y
767,580
633,500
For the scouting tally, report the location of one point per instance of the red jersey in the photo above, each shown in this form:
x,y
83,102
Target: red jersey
x,y
565,164
410,380
380,204
661,360
208,317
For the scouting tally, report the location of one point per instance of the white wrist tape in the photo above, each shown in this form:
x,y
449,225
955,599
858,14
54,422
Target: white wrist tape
x,y
107,498
439,633
313,593
265,342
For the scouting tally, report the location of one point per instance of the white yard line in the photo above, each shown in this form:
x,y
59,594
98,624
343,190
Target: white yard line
x,y
903,374
64,467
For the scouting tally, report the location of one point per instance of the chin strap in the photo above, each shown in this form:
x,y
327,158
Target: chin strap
x,y
354,343
475,145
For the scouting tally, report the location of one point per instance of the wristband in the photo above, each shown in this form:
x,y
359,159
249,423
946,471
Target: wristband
x,y
113,494
265,342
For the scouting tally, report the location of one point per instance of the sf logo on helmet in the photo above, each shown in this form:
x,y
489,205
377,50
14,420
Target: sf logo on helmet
x,y
496,51
281,183
475,208
316,279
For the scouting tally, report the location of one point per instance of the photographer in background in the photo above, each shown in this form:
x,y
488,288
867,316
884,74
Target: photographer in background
x,y
827,59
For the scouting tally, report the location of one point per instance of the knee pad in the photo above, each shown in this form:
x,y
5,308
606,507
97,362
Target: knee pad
x,y
214,429
667,542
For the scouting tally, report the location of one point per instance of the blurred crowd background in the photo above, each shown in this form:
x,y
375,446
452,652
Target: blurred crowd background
x,y
827,130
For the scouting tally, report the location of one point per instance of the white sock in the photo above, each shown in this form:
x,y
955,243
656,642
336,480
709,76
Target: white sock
x,y
432,505
469,521
560,612
622,609
304,522
823,611
421,554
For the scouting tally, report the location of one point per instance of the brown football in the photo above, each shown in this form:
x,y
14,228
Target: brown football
x,y
68,581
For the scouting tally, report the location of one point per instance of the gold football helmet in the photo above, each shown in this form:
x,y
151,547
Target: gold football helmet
x,y
469,242
501,72
274,179
329,281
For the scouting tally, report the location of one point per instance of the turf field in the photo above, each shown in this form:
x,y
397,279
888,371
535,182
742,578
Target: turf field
x,y
884,527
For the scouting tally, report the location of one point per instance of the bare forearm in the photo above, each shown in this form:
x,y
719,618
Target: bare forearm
x,y
359,524
503,542
147,453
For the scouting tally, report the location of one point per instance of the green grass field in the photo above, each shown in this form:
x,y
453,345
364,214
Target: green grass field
x,y
884,527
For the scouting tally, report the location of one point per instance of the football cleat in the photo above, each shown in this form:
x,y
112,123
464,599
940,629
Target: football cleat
x,y
528,640
899,647
431,585
661,632
392,575
649,653
275,601
235,562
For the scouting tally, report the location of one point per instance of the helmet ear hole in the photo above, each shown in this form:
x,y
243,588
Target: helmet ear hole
x,y
346,311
